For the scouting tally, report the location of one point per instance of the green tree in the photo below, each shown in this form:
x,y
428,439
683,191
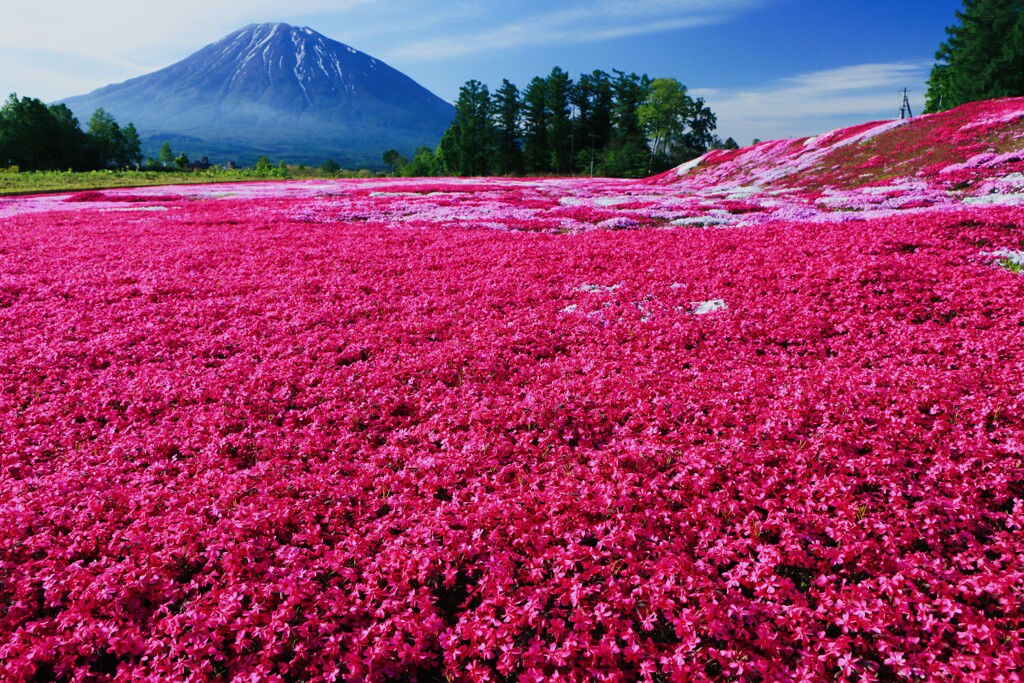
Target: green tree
x,y
264,166
467,146
536,147
423,163
664,115
982,57
130,152
69,139
394,161
679,128
631,91
594,99
446,155
181,162
36,137
110,145
507,109
330,166
105,139
560,134
627,153
700,135
624,126
166,155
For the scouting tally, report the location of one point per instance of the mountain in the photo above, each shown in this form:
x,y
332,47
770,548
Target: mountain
x,y
287,92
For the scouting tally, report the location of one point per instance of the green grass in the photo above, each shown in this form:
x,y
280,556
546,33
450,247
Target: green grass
x,y
16,183
1011,265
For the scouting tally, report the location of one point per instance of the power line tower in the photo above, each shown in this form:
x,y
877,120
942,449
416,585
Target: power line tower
x,y
905,112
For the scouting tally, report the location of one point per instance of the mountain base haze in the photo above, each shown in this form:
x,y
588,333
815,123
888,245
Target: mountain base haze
x,y
277,90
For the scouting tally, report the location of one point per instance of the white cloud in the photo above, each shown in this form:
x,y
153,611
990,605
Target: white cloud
x,y
817,101
104,27
582,22
858,77
45,45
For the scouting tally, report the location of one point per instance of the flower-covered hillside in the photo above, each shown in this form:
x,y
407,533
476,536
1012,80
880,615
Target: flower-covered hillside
x,y
975,150
513,430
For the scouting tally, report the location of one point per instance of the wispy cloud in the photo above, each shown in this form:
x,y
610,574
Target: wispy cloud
x,y
817,101
102,27
579,23
45,41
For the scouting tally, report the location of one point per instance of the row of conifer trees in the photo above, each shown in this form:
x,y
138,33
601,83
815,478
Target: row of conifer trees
x,y
618,124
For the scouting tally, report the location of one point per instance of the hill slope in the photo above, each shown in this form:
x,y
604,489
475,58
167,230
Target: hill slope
x,y
973,152
280,90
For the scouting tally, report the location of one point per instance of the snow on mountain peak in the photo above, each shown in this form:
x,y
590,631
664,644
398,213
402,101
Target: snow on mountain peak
x,y
284,86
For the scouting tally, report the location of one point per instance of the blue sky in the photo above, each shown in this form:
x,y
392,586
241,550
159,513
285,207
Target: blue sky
x,y
768,68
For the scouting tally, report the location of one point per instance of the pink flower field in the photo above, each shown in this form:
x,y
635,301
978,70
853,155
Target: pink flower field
x,y
758,419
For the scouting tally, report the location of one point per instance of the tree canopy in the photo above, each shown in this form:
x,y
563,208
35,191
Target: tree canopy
x,y
110,145
982,57
36,137
467,145
619,124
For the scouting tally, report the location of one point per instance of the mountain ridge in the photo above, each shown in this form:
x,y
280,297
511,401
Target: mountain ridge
x,y
279,90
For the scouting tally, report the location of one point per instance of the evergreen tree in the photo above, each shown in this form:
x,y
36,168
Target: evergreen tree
x,y
446,156
536,149
630,91
594,99
626,125
507,114
560,133
627,154
166,155
130,152
470,142
982,57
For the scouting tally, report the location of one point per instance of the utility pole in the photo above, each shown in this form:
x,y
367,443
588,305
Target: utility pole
x,y
905,112
593,137
572,141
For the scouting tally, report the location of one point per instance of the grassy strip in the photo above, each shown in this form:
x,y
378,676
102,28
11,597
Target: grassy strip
x,y
1011,265
37,182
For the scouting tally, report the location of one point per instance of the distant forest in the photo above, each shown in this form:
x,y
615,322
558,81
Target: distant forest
x,y
38,137
616,124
